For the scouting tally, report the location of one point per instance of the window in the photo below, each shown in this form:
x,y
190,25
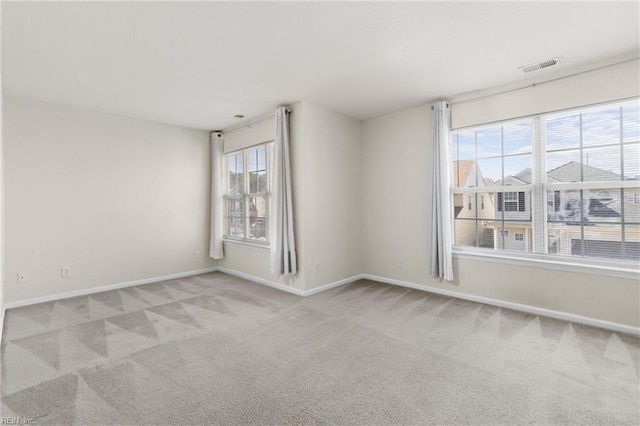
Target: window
x,y
513,201
247,194
569,180
469,202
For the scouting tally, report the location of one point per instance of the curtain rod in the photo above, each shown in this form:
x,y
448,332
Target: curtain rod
x,y
257,120
433,107
532,85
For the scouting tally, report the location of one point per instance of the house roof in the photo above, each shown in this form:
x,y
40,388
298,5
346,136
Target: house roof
x,y
571,172
523,177
510,180
461,171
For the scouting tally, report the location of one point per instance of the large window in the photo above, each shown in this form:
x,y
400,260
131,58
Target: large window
x,y
247,194
565,184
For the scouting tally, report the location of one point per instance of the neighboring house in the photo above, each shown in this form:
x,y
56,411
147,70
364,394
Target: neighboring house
x,y
468,208
599,211
515,233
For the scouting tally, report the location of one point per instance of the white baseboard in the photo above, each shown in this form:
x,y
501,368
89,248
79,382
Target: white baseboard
x,y
283,287
623,328
262,281
332,285
92,290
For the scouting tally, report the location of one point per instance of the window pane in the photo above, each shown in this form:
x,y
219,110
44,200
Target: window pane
x,y
517,170
256,159
565,206
489,142
592,240
463,174
601,126
632,162
601,164
599,241
490,171
605,205
631,198
632,242
514,236
235,218
563,131
564,166
252,161
631,121
464,145
518,137
236,175
257,218
256,165
513,205
253,182
465,232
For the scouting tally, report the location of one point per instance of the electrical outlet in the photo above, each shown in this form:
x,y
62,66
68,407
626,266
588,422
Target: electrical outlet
x,y
65,271
316,267
196,254
401,262
22,278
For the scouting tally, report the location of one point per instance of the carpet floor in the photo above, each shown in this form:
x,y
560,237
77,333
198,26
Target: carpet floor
x,y
216,349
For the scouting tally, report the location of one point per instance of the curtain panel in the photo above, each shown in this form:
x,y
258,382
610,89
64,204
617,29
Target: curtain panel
x,y
216,250
283,249
441,232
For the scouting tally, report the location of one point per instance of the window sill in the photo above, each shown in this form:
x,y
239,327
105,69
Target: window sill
x,y
247,244
541,261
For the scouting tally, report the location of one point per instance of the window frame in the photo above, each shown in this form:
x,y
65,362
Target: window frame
x,y
246,195
539,190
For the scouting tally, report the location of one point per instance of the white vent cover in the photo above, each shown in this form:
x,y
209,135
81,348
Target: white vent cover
x,y
535,67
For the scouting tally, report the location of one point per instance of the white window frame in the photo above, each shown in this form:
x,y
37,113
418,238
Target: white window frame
x,y
538,191
246,195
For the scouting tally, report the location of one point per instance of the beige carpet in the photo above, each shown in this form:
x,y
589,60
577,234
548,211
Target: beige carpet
x,y
215,349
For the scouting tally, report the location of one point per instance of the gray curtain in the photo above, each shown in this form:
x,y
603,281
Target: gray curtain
x,y
283,248
441,233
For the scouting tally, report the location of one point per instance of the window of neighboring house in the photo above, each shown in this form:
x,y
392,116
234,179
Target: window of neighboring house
x,y
482,202
571,178
247,194
504,234
469,202
513,201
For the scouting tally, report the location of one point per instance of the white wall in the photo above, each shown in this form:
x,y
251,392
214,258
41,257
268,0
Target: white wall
x,y
332,209
397,153
326,170
116,199
593,86
396,176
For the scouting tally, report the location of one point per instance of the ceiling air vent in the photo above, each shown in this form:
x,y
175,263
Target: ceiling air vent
x,y
540,65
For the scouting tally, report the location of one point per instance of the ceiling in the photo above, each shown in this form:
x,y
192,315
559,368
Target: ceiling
x,y
197,64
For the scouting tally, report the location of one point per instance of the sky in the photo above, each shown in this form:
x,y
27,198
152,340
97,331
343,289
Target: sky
x,y
601,141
